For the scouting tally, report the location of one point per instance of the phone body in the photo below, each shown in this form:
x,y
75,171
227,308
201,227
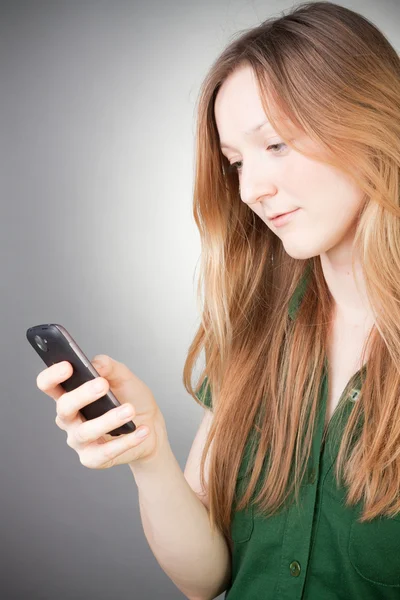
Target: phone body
x,y
54,344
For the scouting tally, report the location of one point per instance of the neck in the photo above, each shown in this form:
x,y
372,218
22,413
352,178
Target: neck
x,y
351,303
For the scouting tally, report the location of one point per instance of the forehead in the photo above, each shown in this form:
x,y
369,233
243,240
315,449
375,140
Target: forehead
x,y
239,110
238,100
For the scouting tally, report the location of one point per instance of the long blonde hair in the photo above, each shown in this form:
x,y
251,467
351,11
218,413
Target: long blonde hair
x,y
327,72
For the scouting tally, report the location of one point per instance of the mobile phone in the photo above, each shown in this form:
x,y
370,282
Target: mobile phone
x,y
54,344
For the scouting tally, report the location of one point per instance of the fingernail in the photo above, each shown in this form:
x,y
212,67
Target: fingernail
x,y
98,385
141,432
125,411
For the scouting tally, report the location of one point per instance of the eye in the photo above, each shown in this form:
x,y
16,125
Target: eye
x,y
234,167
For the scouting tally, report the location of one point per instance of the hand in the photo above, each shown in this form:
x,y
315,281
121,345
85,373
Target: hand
x,y
89,438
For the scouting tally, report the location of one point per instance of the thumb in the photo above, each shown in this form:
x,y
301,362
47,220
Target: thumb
x,y
114,371
99,361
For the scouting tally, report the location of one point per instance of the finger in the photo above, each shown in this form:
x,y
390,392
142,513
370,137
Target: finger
x,y
90,431
106,455
49,379
117,373
70,403
64,426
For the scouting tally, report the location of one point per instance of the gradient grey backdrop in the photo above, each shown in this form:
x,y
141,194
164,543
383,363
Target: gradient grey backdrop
x,y
97,121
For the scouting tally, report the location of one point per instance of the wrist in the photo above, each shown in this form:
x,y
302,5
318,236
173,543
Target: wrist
x,y
153,462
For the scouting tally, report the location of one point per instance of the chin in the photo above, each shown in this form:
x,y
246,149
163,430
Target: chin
x,y
300,253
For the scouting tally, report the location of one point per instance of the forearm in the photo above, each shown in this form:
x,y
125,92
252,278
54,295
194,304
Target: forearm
x,y
177,527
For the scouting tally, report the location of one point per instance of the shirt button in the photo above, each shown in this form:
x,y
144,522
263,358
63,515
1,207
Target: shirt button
x,y
295,568
312,476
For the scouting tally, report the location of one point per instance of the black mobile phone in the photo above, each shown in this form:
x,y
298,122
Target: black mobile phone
x,y
54,344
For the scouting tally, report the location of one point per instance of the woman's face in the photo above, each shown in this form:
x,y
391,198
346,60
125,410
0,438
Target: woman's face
x,y
280,179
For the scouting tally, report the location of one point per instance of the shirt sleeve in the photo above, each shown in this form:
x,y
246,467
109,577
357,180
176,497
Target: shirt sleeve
x,y
205,395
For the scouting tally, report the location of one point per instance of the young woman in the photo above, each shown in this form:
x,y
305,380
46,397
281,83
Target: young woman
x,y
298,491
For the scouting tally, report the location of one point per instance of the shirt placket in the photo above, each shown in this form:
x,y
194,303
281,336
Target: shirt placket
x,y
297,535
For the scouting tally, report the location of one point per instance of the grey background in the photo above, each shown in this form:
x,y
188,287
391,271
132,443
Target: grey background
x,y
97,118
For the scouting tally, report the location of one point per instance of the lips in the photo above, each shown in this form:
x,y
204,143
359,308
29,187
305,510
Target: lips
x,y
280,214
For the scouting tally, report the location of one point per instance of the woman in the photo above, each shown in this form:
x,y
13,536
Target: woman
x,y
293,309
298,495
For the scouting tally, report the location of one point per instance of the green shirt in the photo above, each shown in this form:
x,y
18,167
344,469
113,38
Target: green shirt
x,y
315,551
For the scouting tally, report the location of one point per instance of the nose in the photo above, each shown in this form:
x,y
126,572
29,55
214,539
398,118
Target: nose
x,y
255,184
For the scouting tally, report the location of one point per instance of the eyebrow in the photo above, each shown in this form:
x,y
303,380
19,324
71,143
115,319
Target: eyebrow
x,y
253,130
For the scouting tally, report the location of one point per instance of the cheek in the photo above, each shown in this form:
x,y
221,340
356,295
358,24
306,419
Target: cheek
x,y
342,212
330,223
317,230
